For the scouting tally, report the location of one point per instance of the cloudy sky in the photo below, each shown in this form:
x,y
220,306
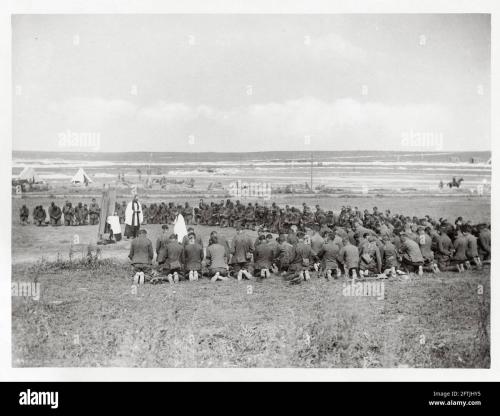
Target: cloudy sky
x,y
251,82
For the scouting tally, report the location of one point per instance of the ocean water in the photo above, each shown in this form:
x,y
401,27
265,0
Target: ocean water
x,y
385,170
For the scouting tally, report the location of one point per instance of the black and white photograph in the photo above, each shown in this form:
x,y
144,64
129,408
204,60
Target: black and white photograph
x,y
250,190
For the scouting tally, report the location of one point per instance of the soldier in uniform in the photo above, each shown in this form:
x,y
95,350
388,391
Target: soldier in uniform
x,y
55,214
69,214
24,215
39,216
145,214
153,213
85,215
187,213
250,217
120,212
94,212
79,214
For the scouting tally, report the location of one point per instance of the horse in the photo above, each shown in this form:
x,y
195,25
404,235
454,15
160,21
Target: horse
x,y
454,183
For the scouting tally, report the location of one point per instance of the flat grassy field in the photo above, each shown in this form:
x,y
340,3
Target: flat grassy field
x,y
91,315
96,317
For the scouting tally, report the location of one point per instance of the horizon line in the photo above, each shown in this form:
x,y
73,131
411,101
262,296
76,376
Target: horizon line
x,y
253,151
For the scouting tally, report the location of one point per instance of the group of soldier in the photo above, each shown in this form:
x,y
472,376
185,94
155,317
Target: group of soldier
x,y
81,214
223,213
352,241
356,244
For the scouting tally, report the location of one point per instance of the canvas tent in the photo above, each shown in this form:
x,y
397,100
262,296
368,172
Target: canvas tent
x,y
29,174
81,177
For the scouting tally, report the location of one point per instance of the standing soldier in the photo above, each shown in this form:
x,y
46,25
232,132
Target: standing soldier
x,y
94,212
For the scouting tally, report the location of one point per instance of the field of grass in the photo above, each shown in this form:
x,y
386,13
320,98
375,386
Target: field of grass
x,y
90,314
94,316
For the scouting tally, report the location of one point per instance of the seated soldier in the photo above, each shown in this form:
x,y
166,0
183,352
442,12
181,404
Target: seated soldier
x,y
78,218
24,215
39,216
94,212
55,214
187,213
69,214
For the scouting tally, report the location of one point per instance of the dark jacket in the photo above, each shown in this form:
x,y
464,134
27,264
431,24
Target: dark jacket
x,y
174,253
141,250
193,256
263,256
161,248
241,247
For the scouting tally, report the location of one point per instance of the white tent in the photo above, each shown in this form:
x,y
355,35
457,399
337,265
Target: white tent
x,y
81,177
29,175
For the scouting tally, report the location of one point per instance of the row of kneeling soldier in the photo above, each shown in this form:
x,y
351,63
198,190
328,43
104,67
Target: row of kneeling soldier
x,y
353,251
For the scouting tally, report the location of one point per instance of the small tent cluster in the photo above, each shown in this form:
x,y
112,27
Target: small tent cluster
x,y
28,174
81,178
